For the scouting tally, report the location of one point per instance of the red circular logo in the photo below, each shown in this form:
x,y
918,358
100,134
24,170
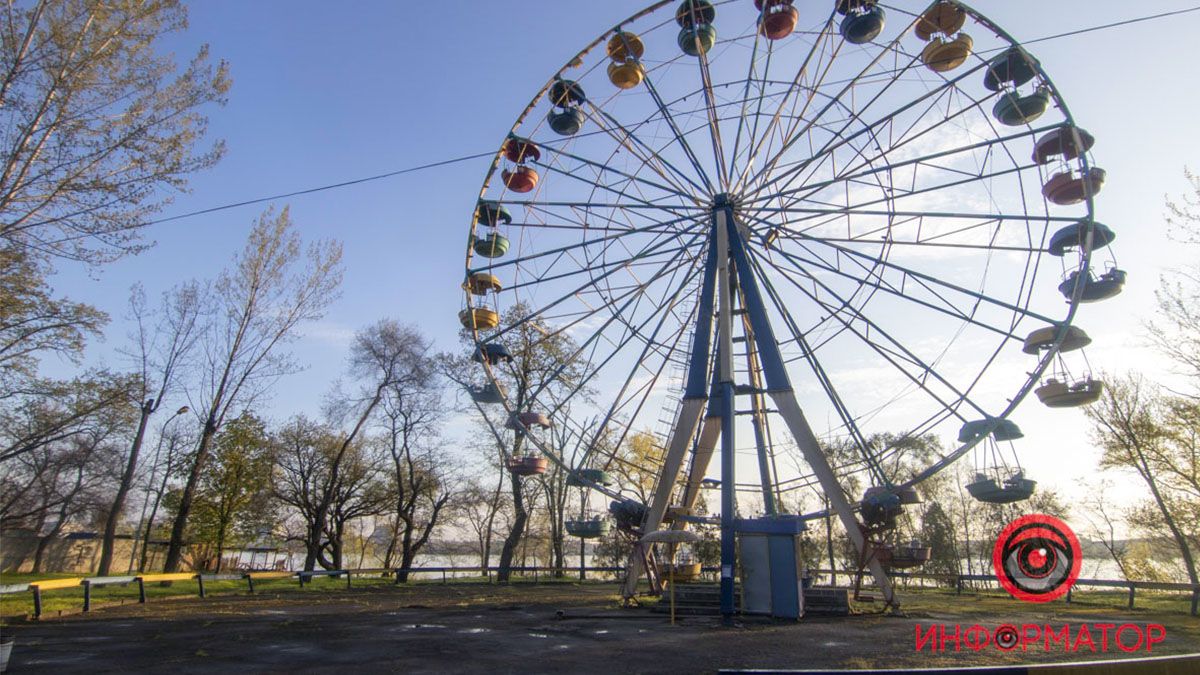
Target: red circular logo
x,y
1037,558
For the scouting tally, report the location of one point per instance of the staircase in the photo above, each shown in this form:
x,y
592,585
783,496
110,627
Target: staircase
x,y
705,600
695,600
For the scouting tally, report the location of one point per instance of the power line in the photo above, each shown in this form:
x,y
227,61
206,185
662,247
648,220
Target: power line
x,y
322,188
434,165
1112,25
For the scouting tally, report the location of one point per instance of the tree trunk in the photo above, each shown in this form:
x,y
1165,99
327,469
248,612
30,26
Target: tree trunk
x,y
118,505
175,548
1180,538
514,535
582,559
486,553
829,546
220,554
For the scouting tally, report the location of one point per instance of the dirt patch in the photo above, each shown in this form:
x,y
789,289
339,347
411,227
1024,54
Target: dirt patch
x,y
509,629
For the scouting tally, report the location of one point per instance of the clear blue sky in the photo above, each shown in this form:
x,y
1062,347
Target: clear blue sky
x,y
324,93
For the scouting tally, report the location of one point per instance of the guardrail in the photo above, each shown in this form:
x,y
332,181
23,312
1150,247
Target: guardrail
x,y
958,581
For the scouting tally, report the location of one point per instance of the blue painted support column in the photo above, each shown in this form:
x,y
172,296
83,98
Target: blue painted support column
x,y
728,507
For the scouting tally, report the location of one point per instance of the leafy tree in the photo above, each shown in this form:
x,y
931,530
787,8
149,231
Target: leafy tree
x,y
233,501
47,412
98,121
937,532
33,322
273,287
1155,436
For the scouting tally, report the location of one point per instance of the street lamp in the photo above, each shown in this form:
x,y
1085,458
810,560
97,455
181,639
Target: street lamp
x,y
183,410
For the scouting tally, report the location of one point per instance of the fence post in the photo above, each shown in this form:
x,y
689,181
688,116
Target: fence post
x,y
348,575
200,579
1069,595
1131,596
1195,600
958,584
443,576
141,591
396,574
37,603
87,595
250,581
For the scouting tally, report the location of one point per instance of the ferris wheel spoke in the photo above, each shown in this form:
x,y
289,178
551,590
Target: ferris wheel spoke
x,y
665,112
592,267
810,188
718,146
744,108
815,365
540,313
889,167
619,192
769,166
865,277
602,169
839,140
653,228
642,151
892,354
893,197
923,279
795,87
631,332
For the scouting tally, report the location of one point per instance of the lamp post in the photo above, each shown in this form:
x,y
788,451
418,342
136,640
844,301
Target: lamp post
x,y
142,522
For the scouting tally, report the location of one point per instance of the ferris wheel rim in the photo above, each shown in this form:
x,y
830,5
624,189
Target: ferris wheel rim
x,y
1068,122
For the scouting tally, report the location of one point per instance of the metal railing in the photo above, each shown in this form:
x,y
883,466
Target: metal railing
x,y
958,581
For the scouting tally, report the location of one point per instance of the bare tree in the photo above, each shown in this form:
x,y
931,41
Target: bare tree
x,y
272,288
62,481
159,351
545,371
421,483
97,122
1176,329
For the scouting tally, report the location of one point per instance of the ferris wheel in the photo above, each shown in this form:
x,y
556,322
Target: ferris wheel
x,y
752,230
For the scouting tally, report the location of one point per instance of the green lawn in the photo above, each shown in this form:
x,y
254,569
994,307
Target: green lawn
x,y
70,600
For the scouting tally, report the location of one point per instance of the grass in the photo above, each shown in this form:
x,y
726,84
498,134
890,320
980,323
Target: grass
x,y
1082,599
70,600
914,598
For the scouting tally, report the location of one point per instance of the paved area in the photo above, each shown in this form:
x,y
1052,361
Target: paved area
x,y
503,630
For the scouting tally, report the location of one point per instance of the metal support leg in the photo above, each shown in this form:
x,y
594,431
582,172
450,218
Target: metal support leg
x,y
141,591
681,437
789,408
200,580
728,509
725,377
